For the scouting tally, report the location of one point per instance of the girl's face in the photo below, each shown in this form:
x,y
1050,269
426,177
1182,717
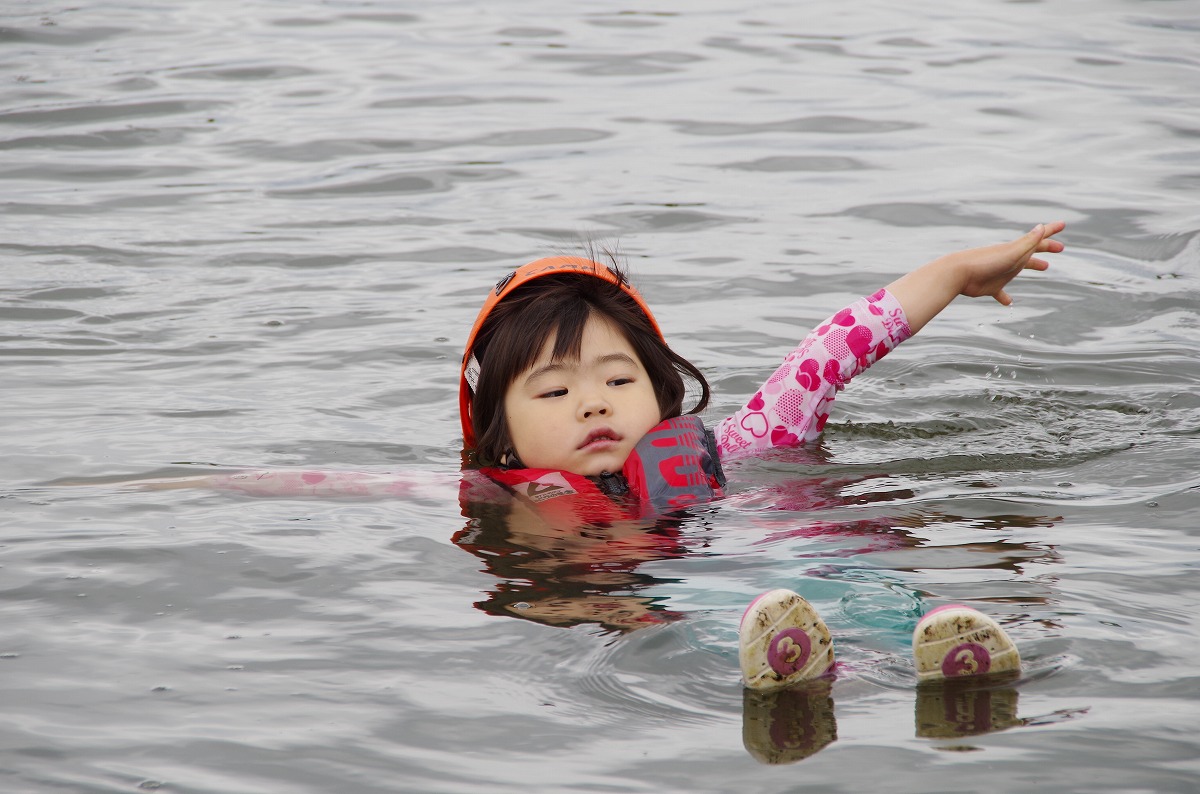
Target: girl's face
x,y
582,416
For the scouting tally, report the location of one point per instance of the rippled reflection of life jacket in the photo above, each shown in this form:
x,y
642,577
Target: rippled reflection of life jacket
x,y
673,466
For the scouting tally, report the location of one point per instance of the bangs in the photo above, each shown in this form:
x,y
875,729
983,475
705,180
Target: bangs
x,y
511,353
568,336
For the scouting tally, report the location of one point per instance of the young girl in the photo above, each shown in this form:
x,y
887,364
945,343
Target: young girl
x,y
572,408
568,389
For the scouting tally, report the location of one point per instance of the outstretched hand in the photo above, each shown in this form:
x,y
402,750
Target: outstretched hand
x,y
988,270
976,272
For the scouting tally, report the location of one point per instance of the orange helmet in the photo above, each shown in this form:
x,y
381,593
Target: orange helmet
x,y
523,275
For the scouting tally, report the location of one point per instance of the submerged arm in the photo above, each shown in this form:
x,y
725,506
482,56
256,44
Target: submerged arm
x,y
301,482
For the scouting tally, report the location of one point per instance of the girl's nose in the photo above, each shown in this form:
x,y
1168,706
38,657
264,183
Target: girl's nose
x,y
594,407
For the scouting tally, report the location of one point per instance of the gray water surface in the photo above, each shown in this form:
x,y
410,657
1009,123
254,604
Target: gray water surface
x,y
255,235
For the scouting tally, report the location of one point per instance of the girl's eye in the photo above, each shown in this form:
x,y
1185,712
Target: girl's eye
x,y
553,393
620,381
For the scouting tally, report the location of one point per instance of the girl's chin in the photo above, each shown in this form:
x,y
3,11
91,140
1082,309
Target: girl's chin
x,y
589,466
600,465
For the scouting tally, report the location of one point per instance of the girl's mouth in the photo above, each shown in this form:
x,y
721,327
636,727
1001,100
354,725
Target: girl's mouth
x,y
600,437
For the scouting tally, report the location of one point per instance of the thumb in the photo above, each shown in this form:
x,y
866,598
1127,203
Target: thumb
x,y
1031,240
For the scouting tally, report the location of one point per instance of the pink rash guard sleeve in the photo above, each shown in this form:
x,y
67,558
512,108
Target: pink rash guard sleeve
x,y
793,405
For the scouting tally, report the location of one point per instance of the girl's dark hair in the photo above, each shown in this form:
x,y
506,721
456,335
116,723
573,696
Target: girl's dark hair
x,y
513,334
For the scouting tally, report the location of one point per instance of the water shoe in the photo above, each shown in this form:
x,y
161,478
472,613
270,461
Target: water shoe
x,y
955,641
782,640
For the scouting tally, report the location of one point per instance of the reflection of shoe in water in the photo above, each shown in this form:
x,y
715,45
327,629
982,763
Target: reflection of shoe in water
x,y
782,640
787,725
956,641
949,709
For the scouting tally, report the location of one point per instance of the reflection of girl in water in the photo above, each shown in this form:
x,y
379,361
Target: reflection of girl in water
x,y
566,574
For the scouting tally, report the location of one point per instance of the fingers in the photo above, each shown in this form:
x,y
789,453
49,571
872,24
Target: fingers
x,y
1044,231
1040,242
1003,298
1048,231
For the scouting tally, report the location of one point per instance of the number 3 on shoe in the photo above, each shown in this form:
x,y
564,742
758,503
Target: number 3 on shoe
x,y
782,640
956,641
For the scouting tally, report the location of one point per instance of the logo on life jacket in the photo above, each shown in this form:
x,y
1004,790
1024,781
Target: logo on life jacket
x,y
548,485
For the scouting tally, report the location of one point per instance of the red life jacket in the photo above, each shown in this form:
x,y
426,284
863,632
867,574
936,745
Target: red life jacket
x,y
673,466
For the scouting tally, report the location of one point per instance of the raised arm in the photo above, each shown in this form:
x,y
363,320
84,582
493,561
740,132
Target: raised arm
x,y
793,405
975,272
